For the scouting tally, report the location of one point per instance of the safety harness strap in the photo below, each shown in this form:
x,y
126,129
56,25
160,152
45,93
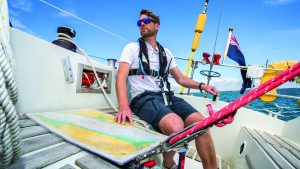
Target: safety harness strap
x,y
144,64
153,73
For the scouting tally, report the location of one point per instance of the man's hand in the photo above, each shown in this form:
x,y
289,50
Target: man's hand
x,y
123,114
210,89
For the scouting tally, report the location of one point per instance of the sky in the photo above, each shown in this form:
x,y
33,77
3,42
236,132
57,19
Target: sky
x,y
265,29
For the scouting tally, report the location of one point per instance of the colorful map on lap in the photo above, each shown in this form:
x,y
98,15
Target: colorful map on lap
x,y
98,133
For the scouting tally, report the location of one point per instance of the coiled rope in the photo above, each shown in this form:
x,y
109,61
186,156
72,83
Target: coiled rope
x,y
9,77
10,139
225,115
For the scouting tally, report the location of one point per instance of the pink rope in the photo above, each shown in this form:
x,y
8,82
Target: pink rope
x,y
230,109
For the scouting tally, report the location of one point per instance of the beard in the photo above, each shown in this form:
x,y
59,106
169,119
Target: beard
x,y
146,33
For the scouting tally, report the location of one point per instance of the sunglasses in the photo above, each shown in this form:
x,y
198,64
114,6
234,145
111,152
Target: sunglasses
x,y
145,20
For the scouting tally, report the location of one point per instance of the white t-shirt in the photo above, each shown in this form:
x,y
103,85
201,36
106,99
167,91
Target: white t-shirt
x,y
137,83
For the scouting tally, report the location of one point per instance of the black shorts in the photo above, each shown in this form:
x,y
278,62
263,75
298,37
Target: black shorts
x,y
150,107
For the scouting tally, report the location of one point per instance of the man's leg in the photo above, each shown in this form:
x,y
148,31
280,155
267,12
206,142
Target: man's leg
x,y
204,143
169,124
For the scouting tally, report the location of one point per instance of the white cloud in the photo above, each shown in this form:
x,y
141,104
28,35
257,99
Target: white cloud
x,y
17,7
227,84
65,15
22,5
279,2
18,24
176,88
69,13
292,32
256,48
222,84
60,11
13,12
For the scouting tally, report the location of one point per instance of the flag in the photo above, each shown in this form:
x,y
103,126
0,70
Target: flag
x,y
235,53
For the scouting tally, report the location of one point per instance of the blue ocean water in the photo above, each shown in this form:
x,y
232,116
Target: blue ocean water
x,y
286,108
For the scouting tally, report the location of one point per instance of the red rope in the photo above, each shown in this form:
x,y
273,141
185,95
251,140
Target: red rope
x,y
232,107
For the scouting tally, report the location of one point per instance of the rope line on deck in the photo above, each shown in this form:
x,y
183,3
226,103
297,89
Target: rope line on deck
x,y
232,107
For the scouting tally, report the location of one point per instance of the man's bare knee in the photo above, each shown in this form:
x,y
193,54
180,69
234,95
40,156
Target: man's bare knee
x,y
193,118
170,123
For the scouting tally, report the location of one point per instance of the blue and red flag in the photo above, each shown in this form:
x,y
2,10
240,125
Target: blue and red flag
x,y
235,53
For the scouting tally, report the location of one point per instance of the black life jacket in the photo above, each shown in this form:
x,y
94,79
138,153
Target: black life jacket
x,y
144,65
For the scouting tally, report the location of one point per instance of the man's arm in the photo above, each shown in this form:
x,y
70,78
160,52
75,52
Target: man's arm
x,y
189,83
124,109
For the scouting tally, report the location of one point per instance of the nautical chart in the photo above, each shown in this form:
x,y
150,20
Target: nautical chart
x,y
97,132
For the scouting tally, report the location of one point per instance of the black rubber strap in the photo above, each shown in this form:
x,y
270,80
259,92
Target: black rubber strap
x,y
200,87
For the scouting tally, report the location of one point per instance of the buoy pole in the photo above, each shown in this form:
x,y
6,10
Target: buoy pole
x,y
198,30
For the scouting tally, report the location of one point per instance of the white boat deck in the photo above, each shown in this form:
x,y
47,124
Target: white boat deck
x,y
280,152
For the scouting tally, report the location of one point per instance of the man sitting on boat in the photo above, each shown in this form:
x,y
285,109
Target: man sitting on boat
x,y
146,65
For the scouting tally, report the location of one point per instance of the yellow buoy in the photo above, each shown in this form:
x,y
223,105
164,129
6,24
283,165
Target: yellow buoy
x,y
198,30
269,74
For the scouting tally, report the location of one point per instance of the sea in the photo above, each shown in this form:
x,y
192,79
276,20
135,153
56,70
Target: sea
x,y
283,108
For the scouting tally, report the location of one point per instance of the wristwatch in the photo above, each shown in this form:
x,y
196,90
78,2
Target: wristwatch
x,y
200,87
